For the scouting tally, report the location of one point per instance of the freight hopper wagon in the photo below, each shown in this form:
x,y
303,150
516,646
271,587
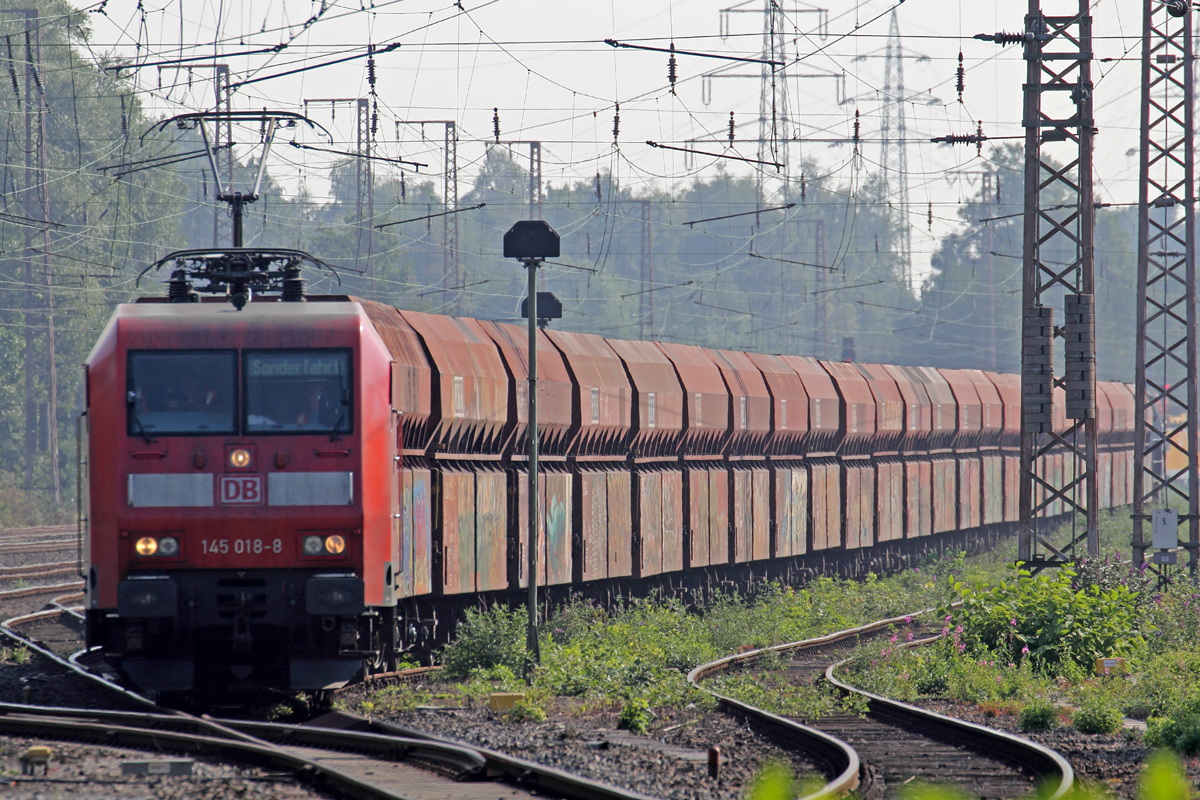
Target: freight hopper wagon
x,y
292,493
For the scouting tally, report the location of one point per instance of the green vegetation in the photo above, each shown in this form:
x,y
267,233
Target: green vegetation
x,y
636,715
638,655
1050,619
1038,715
1098,714
19,655
1029,645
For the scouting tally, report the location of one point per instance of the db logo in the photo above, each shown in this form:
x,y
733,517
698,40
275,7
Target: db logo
x,y
241,490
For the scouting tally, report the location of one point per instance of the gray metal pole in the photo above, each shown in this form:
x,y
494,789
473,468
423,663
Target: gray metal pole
x,y
532,651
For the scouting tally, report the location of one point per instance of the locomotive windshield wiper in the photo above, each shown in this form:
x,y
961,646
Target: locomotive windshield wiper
x,y
130,400
336,435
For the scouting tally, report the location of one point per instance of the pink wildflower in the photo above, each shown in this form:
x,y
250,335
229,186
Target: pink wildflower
x,y
910,636
892,640
1025,649
1013,622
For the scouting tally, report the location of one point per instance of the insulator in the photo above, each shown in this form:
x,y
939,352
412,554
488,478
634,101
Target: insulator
x,y
402,196
496,124
979,139
371,67
671,68
931,216
160,77
1003,38
262,127
293,285
999,183
803,188
1177,8
731,127
617,122
12,72
124,119
599,193
189,77
856,127
374,118
961,75
179,290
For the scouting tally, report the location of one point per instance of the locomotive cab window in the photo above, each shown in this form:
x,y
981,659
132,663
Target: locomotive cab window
x,y
180,392
290,391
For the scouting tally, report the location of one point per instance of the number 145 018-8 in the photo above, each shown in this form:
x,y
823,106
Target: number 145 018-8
x,y
240,546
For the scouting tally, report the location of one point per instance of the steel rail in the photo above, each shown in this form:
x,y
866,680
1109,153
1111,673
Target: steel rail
x,y
8,630
30,591
987,741
842,762
31,570
369,733
269,741
546,779
84,727
1029,754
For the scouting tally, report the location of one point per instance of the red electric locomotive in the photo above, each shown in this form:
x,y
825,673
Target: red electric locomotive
x,y
241,482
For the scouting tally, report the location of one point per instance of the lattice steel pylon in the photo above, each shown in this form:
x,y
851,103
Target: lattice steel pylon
x,y
893,155
1166,383
1059,261
223,153
364,179
450,260
452,279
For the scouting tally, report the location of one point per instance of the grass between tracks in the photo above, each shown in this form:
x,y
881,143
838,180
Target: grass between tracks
x,y
634,659
1028,646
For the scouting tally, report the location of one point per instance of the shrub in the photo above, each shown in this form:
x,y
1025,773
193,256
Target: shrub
x,y
636,716
1179,731
1038,715
1098,714
527,711
487,639
1048,620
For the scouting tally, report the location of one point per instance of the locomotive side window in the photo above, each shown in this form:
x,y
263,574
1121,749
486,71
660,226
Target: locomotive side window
x,y
289,391
180,392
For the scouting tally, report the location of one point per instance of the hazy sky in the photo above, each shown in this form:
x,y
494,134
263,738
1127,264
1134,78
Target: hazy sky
x,y
545,66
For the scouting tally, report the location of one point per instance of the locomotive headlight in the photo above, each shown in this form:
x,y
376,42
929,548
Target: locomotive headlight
x,y
168,546
334,544
239,458
148,546
313,546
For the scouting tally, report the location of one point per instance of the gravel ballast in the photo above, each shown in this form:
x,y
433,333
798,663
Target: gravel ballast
x,y
95,772
1114,761
670,763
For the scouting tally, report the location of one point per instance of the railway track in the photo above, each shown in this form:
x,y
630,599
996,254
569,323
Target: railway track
x,y
895,744
45,570
39,546
337,752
